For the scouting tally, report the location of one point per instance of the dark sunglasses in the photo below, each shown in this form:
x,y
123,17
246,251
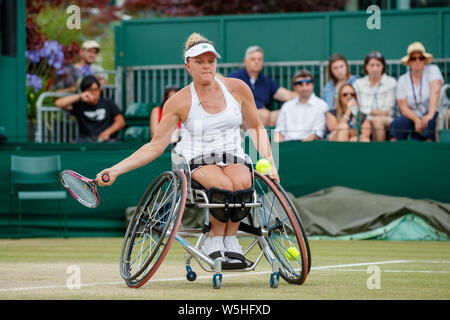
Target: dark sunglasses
x,y
421,58
375,54
346,94
300,82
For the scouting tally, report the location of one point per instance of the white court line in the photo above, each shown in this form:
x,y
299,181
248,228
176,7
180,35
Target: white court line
x,y
394,271
229,275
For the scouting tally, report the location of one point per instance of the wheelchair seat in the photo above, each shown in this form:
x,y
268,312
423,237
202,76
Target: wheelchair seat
x,y
196,185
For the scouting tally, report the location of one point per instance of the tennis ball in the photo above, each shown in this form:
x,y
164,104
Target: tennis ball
x,y
292,253
263,166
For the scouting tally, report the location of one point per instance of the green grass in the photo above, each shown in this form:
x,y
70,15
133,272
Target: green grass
x,y
40,266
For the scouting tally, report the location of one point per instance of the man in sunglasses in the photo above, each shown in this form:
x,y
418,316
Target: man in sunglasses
x,y
303,117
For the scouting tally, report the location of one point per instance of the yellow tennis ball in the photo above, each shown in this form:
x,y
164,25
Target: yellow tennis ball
x,y
292,253
263,166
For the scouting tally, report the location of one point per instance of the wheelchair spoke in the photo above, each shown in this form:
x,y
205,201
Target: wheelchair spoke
x,y
278,249
283,230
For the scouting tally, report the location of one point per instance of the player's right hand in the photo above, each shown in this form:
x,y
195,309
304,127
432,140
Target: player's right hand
x,y
100,181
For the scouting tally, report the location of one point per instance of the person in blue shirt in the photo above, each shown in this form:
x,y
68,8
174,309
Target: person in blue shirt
x,y
263,88
338,74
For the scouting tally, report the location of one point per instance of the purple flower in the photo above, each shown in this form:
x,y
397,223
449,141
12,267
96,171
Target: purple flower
x,y
52,51
33,56
34,81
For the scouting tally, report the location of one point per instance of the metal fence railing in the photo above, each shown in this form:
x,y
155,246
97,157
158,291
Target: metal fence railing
x,y
143,84
54,125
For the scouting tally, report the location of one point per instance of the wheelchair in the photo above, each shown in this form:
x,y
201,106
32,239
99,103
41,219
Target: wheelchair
x,y
272,224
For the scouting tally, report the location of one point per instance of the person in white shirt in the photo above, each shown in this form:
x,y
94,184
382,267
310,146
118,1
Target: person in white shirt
x,y
418,93
303,117
376,94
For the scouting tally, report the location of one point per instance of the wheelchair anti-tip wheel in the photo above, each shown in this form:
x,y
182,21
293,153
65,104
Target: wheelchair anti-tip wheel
x,y
152,228
284,230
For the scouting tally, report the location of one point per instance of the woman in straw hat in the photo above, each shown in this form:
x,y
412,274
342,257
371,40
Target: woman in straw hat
x,y
212,111
417,96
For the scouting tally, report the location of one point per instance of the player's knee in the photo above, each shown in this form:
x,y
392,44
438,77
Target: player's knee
x,y
242,182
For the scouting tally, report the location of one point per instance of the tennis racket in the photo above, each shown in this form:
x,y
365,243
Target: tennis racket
x,y
83,189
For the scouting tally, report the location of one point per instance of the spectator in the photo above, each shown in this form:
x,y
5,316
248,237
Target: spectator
x,y
342,122
303,117
263,88
376,94
339,74
155,116
99,119
418,93
69,80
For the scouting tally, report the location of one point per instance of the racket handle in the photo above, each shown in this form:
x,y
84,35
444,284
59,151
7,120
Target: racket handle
x,y
105,177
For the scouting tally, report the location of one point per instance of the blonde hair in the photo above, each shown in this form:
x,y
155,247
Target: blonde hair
x,y
194,39
339,105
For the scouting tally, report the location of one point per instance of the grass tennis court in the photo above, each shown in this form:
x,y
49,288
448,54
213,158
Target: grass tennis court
x,y
38,269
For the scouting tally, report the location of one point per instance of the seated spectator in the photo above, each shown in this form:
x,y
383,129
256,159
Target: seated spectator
x,y
338,74
156,114
72,74
342,122
418,93
303,117
263,88
99,119
376,94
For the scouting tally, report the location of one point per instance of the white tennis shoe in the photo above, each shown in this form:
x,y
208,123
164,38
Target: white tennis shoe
x,y
214,247
231,244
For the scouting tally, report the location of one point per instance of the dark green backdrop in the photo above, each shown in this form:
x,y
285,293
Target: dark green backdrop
x,y
285,37
409,169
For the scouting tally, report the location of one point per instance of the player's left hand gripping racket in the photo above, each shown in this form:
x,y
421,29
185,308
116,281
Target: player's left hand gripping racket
x,y
83,189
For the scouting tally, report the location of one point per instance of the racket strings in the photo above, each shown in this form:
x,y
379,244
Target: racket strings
x,y
80,188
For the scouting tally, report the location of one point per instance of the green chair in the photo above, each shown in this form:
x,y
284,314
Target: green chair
x,y
37,178
137,134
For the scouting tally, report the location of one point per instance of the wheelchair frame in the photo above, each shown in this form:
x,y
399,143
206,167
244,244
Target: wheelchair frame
x,y
193,197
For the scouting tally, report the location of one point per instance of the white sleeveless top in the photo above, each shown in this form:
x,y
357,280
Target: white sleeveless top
x,y
204,133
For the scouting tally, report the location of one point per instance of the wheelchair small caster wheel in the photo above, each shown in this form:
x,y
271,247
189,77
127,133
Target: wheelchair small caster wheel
x,y
274,280
217,281
191,275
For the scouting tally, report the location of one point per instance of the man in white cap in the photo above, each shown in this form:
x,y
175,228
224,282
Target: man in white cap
x,y
72,75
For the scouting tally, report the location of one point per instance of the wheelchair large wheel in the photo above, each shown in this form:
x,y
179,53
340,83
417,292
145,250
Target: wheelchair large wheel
x,y
294,210
284,230
152,228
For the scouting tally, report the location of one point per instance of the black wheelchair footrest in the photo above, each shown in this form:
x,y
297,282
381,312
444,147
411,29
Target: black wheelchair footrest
x,y
237,266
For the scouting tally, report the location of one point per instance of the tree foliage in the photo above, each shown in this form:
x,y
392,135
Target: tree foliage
x,y
220,7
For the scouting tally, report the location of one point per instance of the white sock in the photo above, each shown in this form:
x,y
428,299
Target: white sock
x,y
232,243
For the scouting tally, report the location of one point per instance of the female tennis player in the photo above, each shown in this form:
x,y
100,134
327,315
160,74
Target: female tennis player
x,y
212,111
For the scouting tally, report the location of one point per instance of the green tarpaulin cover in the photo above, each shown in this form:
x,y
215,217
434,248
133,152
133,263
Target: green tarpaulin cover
x,y
344,213
349,214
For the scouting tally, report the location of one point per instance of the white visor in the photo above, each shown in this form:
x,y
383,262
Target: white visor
x,y
198,49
